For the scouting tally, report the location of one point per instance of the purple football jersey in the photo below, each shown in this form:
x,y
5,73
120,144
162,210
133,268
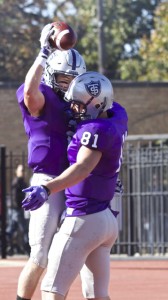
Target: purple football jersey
x,y
94,193
47,139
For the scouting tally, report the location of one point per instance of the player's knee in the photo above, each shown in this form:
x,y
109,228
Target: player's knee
x,y
39,255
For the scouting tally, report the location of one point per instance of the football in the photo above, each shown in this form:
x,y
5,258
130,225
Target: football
x,y
63,37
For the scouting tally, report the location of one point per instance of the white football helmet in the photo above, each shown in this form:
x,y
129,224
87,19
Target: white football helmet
x,y
68,62
94,91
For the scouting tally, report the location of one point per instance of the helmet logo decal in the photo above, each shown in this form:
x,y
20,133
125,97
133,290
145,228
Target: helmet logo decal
x,y
93,88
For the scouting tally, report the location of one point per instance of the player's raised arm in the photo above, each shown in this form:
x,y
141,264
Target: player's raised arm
x,y
33,98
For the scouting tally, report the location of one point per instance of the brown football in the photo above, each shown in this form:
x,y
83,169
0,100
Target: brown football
x,y
63,37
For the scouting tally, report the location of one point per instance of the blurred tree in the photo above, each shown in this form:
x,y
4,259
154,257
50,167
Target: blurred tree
x,y
124,22
20,22
153,52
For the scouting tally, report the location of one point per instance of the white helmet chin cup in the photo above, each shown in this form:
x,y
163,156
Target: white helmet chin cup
x,y
94,91
68,62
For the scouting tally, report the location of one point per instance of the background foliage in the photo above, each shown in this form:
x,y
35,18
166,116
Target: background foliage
x,y
133,35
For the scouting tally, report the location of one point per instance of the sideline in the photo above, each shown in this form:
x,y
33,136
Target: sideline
x,y
14,261
20,260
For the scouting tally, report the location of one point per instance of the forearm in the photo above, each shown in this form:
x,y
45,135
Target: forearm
x,y
33,78
33,98
87,159
69,177
34,75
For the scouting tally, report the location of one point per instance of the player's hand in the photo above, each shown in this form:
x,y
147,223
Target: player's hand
x,y
36,197
45,35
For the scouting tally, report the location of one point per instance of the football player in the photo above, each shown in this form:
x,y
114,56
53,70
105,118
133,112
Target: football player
x,y
90,228
45,121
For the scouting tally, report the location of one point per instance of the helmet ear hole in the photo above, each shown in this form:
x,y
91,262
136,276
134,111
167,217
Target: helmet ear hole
x,y
97,106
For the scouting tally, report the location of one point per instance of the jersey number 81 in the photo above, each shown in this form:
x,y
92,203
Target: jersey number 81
x,y
86,137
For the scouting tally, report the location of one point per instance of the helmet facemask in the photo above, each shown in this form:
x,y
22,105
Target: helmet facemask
x,y
79,110
52,80
69,63
86,111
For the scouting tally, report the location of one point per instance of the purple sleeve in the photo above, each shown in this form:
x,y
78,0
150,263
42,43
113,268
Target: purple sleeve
x,y
20,93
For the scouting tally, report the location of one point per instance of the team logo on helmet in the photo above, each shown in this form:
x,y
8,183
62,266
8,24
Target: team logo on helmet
x,y
93,88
